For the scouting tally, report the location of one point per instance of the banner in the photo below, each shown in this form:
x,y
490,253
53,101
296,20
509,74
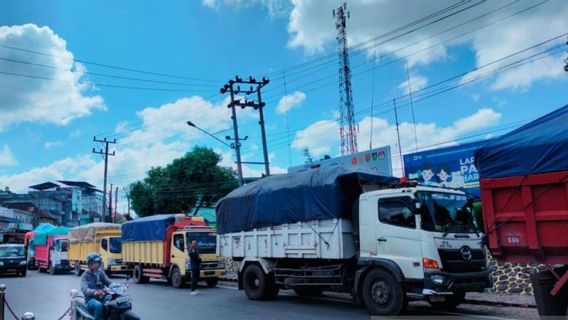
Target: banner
x,y
451,167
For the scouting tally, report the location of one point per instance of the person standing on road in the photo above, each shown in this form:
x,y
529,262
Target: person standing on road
x,y
194,264
90,285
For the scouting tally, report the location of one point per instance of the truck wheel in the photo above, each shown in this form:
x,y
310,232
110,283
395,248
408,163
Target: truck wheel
x,y
138,275
23,273
51,269
211,282
382,293
308,291
254,283
451,302
176,278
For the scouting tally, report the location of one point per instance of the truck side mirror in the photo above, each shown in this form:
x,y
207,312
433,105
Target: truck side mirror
x,y
417,205
104,244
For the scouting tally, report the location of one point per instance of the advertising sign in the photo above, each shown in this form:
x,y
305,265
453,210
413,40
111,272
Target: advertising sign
x,y
452,167
377,160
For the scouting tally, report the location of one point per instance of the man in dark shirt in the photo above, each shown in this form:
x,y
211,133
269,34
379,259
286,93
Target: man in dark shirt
x,y
194,264
90,287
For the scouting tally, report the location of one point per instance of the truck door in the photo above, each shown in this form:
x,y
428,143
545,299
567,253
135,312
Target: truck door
x,y
179,254
398,238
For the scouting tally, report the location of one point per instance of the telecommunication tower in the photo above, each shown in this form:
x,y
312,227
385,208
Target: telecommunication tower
x,y
348,128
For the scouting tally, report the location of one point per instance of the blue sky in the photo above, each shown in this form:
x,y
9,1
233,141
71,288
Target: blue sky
x,y
46,126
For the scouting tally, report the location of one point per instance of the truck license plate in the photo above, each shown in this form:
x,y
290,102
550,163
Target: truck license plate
x,y
437,298
209,273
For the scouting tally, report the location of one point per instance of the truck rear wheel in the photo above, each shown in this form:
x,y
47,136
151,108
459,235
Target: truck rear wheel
x,y
138,275
382,293
255,283
450,303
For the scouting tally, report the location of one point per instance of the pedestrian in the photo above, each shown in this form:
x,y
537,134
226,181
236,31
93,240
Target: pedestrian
x,y
194,264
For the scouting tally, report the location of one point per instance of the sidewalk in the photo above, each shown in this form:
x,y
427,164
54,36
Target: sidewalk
x,y
511,300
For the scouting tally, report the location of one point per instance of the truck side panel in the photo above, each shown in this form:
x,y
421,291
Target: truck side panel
x,y
144,252
526,218
320,239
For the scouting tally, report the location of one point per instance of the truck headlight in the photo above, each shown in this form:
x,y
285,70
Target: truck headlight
x,y
438,279
111,262
23,262
1,263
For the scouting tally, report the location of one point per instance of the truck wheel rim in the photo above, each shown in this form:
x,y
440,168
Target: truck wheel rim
x,y
380,292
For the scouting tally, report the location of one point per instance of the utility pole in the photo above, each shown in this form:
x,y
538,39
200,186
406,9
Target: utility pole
x,y
110,204
105,154
566,60
233,87
398,137
115,204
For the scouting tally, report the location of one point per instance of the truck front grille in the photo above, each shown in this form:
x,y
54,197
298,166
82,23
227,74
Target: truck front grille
x,y
453,261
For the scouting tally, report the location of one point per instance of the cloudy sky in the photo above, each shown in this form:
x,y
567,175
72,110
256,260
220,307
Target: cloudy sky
x,y
136,72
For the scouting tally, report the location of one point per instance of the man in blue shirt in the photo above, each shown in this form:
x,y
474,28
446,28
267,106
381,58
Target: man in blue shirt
x,y
90,285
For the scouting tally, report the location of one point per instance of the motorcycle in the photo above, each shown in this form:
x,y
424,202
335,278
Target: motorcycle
x,y
117,304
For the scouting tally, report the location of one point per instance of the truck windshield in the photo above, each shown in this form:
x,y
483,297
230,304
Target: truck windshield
x,y
206,241
115,245
61,245
12,252
446,212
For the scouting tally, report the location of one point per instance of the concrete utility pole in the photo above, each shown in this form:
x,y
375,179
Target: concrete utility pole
x,y
115,204
233,87
105,154
110,204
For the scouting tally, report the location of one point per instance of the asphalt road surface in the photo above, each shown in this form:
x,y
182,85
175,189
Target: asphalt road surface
x,y
47,296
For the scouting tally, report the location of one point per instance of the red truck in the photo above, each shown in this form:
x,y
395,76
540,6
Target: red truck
x,y
51,252
524,196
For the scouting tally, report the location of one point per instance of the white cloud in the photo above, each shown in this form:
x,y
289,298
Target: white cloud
x,y
322,137
7,158
417,82
290,101
52,144
26,99
275,8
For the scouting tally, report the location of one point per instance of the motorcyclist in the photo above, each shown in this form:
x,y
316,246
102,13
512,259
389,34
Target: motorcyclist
x,y
91,280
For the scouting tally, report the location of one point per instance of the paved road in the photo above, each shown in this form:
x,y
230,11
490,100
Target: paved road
x,y
48,297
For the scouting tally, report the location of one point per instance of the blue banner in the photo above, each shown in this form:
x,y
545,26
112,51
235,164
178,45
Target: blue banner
x,y
451,167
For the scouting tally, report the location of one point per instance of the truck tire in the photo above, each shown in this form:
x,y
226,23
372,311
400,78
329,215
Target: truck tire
x,y
308,291
51,269
451,302
254,283
138,275
77,270
212,282
176,278
23,273
382,293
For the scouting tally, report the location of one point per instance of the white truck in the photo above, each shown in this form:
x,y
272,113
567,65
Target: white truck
x,y
397,243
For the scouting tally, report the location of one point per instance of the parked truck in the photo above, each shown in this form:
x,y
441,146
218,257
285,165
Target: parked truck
x,y
51,250
524,195
103,238
158,247
383,241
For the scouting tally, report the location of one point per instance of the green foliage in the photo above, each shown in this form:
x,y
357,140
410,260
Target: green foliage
x,y
193,180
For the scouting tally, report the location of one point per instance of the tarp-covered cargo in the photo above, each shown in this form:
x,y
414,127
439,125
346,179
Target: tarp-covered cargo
x,y
87,232
324,193
537,147
40,238
152,228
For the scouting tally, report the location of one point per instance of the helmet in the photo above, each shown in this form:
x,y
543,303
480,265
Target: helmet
x,y
94,258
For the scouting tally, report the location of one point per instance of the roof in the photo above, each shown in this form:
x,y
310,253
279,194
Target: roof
x,y
81,184
44,186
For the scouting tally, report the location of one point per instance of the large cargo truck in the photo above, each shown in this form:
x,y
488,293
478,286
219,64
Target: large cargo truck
x,y
524,195
328,229
158,247
103,238
52,256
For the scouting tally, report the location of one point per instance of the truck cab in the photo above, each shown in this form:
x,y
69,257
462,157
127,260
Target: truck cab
x,y
212,266
53,256
427,238
111,254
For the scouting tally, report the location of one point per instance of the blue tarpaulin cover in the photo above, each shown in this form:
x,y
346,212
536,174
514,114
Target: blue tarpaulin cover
x,y
324,193
537,147
47,230
152,228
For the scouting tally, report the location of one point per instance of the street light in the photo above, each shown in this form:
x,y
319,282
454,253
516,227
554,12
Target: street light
x,y
191,124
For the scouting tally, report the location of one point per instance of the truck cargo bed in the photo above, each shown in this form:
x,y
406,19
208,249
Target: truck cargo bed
x,y
317,239
526,217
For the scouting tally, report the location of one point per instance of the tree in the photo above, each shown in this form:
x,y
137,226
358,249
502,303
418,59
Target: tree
x,y
194,180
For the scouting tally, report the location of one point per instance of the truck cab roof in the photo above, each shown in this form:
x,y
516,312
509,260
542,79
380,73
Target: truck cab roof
x,y
410,190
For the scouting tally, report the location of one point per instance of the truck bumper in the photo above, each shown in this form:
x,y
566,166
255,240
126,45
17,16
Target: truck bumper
x,y
442,283
13,269
212,273
118,268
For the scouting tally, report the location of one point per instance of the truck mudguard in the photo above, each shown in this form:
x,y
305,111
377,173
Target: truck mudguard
x,y
386,264
323,193
540,146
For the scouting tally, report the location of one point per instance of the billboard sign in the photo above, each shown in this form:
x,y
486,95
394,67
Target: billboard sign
x,y
452,167
377,160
